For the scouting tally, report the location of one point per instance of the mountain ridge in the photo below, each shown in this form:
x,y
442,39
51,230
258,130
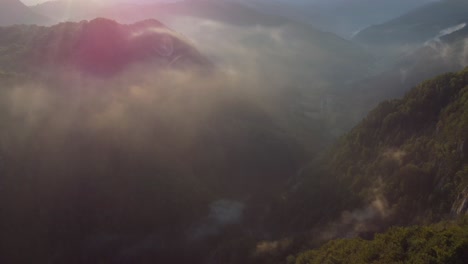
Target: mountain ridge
x,y
415,27
15,12
99,46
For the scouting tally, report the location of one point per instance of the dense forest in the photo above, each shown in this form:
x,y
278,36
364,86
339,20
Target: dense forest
x,y
412,150
442,243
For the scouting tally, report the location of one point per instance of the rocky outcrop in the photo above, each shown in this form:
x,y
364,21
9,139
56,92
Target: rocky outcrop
x,y
460,206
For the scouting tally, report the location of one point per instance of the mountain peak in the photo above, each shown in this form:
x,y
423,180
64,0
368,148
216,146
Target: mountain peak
x,y
102,46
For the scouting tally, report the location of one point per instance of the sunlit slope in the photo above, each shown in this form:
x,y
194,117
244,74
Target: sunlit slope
x,y
324,55
99,47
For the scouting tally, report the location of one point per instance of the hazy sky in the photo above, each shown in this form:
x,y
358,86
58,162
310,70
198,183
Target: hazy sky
x,y
32,2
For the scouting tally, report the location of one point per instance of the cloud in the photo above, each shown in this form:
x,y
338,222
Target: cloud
x,y
222,213
362,220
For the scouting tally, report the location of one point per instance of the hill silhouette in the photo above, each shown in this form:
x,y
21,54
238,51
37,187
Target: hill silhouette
x,y
14,12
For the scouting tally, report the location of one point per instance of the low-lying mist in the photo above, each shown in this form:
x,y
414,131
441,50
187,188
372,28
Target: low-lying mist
x,y
133,166
143,153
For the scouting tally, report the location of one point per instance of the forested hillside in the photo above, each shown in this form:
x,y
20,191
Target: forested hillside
x,y
405,164
407,161
443,243
413,151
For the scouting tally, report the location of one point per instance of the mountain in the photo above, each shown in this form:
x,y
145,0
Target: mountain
x,y
124,141
115,149
313,56
15,12
438,55
99,46
344,18
331,53
416,27
412,151
405,164
315,65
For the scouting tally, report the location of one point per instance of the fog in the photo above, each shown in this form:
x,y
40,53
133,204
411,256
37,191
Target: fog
x,y
148,140
169,156
226,159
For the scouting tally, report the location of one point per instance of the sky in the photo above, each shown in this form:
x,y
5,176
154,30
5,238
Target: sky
x,y
34,2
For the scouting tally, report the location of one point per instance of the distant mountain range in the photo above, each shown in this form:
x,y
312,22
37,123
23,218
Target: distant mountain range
x,y
437,56
341,17
15,12
416,27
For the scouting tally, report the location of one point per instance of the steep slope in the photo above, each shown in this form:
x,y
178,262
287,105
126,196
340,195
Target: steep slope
x,y
413,151
99,47
405,164
14,12
408,155
439,55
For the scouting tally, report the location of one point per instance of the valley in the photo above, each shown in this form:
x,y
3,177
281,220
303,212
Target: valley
x,y
233,132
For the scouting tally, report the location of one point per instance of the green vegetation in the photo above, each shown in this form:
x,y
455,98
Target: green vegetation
x,y
443,243
410,155
412,150
405,164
